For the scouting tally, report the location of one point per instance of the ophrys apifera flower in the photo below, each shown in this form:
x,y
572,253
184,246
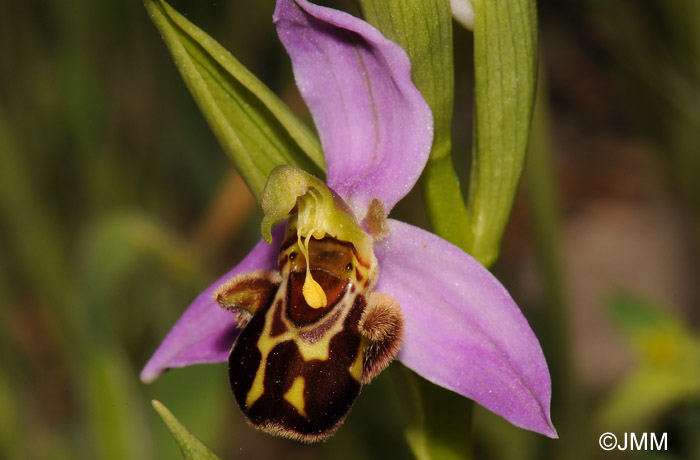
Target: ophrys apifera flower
x,y
341,287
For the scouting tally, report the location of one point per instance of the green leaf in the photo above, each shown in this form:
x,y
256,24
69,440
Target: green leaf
x,y
255,128
424,29
505,61
191,447
117,422
554,333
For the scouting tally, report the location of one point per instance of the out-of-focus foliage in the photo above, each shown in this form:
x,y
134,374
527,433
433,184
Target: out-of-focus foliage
x,y
656,50
668,371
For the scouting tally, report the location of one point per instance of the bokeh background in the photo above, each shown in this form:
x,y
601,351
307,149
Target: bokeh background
x,y
117,206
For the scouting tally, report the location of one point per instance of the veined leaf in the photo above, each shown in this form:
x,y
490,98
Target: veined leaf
x,y
255,128
505,62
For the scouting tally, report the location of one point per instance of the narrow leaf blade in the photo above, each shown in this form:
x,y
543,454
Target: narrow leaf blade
x,y
255,128
191,447
505,61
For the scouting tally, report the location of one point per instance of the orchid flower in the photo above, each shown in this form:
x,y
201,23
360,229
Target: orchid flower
x,y
461,328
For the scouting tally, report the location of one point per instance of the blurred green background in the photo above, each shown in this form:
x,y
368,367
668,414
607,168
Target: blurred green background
x,y
117,206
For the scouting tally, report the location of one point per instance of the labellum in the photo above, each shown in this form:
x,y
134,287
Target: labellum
x,y
314,331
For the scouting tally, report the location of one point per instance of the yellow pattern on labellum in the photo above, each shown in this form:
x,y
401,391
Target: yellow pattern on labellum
x,y
313,292
295,396
356,367
319,350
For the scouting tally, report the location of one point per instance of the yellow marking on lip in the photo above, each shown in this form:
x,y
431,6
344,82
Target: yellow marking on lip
x,y
319,350
257,389
356,367
295,396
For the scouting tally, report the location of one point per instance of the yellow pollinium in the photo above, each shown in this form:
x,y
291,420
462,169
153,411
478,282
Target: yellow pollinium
x,y
313,292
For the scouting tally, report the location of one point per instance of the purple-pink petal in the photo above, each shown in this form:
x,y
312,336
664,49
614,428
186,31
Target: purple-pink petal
x,y
206,332
375,127
463,330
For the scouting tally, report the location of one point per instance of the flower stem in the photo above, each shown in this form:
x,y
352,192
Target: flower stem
x,y
439,420
446,208
541,194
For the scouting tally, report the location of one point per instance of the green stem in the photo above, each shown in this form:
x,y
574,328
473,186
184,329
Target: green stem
x,y
443,199
440,420
541,194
